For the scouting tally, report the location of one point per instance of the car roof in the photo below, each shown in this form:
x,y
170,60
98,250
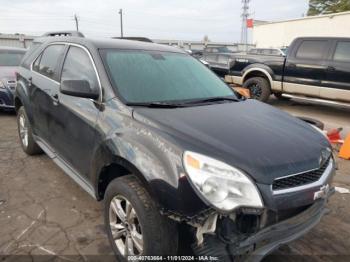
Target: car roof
x,y
10,48
107,43
323,38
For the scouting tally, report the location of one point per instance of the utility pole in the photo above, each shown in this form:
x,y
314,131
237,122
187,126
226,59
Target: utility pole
x,y
76,22
245,15
121,23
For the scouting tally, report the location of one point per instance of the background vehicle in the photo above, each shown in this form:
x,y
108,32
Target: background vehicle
x,y
10,59
128,121
268,51
315,68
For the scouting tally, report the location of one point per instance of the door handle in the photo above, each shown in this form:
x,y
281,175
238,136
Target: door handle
x,y
55,99
30,81
331,68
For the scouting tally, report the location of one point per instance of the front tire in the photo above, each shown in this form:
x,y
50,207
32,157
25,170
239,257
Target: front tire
x,y
134,224
25,134
259,88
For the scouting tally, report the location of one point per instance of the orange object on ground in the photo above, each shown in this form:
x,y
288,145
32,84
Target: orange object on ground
x,y
334,136
345,149
243,91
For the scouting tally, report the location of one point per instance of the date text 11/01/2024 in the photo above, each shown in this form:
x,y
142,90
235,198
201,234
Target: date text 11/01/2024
x,y
173,258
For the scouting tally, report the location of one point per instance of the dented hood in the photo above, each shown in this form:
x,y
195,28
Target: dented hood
x,y
264,142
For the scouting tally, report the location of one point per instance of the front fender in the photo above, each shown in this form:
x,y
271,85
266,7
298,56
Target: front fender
x,y
156,159
266,70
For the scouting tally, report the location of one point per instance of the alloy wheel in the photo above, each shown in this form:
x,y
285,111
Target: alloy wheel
x,y
23,130
125,227
255,91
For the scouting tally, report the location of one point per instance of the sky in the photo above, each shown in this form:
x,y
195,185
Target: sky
x,y
220,20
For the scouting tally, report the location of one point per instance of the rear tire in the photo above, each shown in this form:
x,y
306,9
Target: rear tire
x,y
132,217
259,88
25,134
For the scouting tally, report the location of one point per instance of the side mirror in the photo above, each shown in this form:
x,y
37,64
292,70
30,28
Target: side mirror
x,y
78,88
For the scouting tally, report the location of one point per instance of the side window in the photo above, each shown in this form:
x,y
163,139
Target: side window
x,y
78,66
312,49
48,65
342,52
37,63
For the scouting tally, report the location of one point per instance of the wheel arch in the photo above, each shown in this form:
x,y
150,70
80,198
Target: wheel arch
x,y
258,72
118,167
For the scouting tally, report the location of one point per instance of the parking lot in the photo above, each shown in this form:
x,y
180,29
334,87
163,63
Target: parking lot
x,y
43,212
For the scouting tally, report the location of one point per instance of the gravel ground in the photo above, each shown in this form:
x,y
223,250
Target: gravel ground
x,y
43,212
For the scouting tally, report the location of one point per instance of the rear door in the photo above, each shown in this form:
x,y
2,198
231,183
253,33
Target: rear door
x,y
73,119
44,80
337,84
306,67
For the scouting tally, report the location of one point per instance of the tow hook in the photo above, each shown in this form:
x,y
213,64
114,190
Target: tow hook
x,y
208,227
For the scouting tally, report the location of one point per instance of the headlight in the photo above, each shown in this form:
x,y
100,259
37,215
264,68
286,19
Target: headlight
x,y
2,86
223,186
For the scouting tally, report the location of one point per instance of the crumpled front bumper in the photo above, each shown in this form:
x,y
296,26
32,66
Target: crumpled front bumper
x,y
257,245
284,232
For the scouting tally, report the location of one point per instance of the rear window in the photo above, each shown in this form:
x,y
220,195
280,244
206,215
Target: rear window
x,y
312,49
342,52
10,58
47,63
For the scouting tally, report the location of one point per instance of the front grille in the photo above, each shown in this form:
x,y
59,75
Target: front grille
x,y
300,179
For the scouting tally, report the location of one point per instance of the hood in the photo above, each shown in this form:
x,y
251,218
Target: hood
x,y
264,142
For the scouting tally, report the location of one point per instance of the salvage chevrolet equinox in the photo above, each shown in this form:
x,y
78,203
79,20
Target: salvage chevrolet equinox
x,y
180,161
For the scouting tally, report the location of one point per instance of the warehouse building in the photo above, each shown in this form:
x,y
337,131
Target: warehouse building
x,y
282,33
16,40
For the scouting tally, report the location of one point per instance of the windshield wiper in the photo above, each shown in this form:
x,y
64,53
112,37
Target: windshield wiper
x,y
156,105
214,99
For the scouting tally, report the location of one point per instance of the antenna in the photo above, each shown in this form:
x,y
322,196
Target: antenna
x,y
245,15
76,19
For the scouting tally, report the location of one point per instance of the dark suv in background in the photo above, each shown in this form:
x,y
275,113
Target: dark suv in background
x,y
10,58
177,157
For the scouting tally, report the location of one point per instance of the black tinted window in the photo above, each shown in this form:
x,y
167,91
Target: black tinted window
x,y
49,61
342,52
78,66
312,49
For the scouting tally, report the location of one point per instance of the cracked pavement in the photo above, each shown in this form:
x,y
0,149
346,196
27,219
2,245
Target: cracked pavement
x,y
44,212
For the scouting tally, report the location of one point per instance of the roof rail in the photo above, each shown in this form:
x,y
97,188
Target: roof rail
x,y
135,38
64,33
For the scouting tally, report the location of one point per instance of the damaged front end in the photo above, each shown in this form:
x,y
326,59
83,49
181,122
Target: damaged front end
x,y
249,233
245,236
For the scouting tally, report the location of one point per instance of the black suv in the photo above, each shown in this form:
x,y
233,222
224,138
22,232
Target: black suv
x,y
179,159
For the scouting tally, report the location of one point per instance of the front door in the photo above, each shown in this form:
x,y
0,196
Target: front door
x,y
73,121
305,68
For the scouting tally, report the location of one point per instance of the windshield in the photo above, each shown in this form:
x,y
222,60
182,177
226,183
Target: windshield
x,y
10,58
148,76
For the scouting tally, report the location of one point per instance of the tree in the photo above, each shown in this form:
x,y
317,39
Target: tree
x,y
320,7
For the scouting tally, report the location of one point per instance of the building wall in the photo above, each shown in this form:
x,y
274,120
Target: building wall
x,y
16,40
279,34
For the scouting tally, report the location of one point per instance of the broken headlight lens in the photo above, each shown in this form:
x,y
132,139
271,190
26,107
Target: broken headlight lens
x,y
223,186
